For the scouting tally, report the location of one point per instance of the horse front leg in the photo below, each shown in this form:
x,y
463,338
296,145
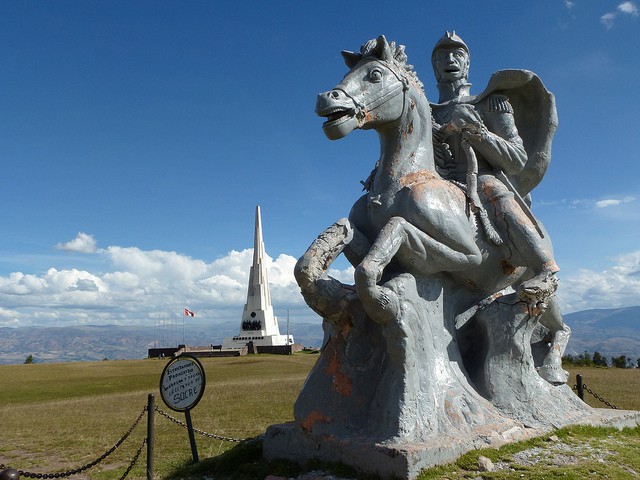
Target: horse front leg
x,y
325,295
417,252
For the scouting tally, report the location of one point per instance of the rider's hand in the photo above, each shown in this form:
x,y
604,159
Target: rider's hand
x,y
465,118
474,137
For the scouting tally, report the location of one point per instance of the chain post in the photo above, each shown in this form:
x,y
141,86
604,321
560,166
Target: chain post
x,y
9,473
580,387
151,411
192,438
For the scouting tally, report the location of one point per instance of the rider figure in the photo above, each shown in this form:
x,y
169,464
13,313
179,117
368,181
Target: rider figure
x,y
486,125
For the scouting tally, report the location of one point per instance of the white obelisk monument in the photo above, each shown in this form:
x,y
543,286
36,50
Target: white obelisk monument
x,y
258,325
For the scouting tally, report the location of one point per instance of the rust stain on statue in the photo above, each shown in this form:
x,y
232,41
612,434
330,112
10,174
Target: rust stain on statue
x,y
327,263
417,177
367,116
537,310
341,382
507,268
311,419
345,329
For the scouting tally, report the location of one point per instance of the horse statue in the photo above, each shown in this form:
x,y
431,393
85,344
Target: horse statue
x,y
411,219
430,353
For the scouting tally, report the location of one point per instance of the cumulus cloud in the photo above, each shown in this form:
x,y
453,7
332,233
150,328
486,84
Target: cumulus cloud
x,y
628,8
614,287
141,286
83,243
624,8
145,286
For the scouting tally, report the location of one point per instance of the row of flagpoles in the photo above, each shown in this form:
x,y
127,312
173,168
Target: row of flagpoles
x,y
166,330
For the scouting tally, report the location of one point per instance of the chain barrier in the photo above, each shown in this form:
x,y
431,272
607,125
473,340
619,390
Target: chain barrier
x,y
587,389
92,464
584,385
134,460
205,434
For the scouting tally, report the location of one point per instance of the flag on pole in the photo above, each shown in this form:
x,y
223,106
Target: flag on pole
x,y
188,313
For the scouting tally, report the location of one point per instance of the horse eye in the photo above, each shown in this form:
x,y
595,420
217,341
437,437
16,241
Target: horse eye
x,y
375,75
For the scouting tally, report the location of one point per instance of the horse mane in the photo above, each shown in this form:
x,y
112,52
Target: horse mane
x,y
380,49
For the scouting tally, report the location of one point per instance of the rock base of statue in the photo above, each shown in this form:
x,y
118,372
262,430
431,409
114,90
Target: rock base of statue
x,y
395,398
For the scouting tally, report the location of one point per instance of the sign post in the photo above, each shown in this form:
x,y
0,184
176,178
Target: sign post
x,y
181,387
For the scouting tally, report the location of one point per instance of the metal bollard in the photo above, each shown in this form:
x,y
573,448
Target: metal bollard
x,y
151,411
9,474
580,387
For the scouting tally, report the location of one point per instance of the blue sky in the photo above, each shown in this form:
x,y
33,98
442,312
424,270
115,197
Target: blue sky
x,y
138,137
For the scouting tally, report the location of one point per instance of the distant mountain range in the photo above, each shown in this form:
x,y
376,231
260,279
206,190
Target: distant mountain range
x,y
114,342
612,332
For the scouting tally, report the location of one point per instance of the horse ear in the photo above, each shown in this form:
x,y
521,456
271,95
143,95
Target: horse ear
x,y
383,50
350,58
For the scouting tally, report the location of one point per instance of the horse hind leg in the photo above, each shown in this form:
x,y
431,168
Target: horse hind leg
x,y
551,369
416,251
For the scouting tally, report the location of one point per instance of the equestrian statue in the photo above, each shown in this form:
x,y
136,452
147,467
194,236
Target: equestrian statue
x,y
451,329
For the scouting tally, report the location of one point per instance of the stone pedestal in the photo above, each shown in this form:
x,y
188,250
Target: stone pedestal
x,y
395,398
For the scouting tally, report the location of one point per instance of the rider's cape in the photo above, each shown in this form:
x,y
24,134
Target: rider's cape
x,y
536,118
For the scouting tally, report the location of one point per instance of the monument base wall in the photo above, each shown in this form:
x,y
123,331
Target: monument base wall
x,y
405,460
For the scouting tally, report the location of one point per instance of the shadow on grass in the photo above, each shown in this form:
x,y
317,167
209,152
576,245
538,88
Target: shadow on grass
x,y
245,462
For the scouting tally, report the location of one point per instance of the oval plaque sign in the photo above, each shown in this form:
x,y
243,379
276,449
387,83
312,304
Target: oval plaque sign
x,y
182,383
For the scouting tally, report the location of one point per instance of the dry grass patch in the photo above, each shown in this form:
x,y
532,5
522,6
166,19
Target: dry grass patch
x,y
60,416
618,386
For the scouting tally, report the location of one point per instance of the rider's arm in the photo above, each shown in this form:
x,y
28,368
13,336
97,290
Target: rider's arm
x,y
499,142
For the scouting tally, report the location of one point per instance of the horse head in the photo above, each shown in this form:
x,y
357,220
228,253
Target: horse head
x,y
376,90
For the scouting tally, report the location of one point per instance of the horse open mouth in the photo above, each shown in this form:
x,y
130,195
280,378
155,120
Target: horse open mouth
x,y
337,115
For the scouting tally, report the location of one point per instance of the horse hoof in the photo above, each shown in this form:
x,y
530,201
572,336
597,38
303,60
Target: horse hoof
x,y
554,374
539,287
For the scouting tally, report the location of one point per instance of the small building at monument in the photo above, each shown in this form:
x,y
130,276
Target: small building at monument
x,y
258,326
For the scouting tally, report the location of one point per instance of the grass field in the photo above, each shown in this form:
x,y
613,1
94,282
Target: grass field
x,y
618,386
57,417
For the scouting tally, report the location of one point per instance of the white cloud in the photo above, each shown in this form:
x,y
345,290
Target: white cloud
x,y
625,8
628,8
141,286
611,202
618,286
83,243
584,203
608,19
607,203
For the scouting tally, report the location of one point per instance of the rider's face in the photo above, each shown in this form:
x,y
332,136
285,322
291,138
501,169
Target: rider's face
x,y
451,64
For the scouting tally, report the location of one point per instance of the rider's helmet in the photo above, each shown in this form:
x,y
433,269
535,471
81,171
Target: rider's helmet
x,y
449,40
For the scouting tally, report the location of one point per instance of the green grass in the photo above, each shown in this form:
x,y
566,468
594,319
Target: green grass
x,y
55,417
572,453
